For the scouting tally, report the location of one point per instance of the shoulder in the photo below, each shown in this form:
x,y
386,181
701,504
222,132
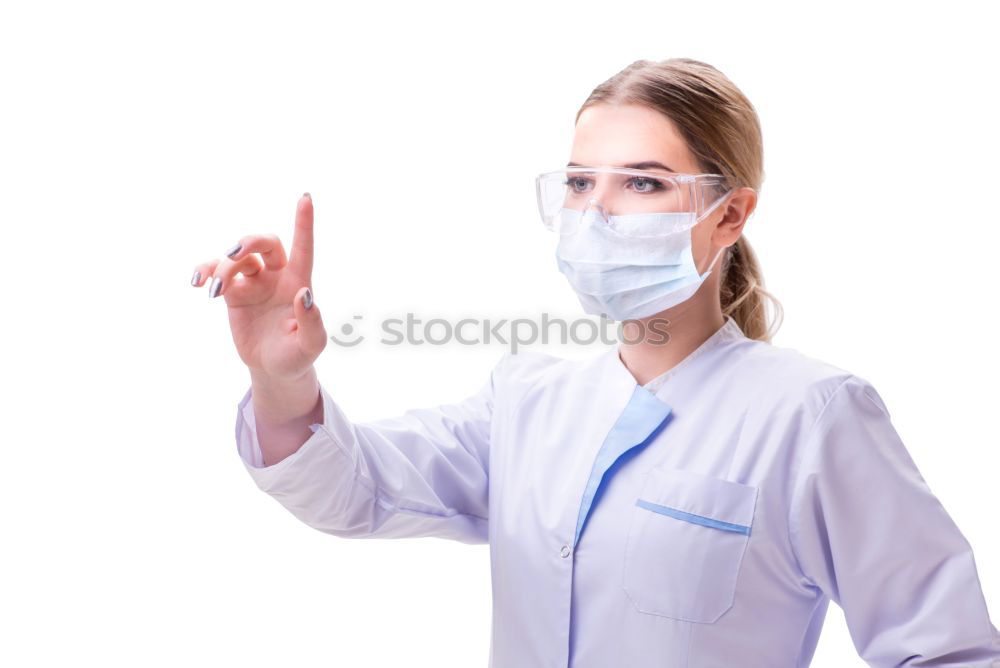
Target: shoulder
x,y
527,367
786,379
543,377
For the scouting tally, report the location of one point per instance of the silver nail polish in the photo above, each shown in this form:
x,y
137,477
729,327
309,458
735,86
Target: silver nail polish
x,y
234,250
215,288
196,278
307,298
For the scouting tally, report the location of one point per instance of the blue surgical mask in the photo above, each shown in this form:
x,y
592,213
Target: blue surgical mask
x,y
627,277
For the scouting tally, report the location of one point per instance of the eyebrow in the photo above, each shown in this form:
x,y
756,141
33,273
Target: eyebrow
x,y
647,164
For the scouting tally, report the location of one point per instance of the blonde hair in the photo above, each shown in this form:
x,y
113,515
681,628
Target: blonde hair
x,y
722,132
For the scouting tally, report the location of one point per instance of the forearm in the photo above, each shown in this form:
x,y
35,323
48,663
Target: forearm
x,y
283,410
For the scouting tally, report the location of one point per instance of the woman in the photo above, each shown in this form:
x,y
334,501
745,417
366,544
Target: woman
x,y
694,499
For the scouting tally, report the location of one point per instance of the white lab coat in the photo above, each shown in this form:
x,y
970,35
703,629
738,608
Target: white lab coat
x,y
705,520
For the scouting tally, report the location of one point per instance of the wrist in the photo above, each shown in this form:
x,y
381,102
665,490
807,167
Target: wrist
x,y
279,401
261,376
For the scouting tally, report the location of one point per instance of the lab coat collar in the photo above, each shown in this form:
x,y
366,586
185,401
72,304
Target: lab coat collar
x,y
729,331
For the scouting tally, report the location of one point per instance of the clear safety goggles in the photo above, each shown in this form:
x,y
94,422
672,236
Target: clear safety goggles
x,y
634,202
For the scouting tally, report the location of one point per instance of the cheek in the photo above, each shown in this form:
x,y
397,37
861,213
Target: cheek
x,y
701,237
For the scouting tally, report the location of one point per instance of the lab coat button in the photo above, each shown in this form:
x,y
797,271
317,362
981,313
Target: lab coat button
x,y
564,552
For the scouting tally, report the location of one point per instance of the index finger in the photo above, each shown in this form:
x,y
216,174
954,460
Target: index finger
x,y
302,240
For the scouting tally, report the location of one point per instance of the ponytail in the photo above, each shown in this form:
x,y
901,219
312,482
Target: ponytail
x,y
743,295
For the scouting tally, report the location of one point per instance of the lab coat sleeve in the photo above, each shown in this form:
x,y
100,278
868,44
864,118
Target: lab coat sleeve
x,y
424,473
867,531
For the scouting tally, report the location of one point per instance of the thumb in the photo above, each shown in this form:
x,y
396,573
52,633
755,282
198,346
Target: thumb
x,y
311,334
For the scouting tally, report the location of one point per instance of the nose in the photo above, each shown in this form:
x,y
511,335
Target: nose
x,y
594,210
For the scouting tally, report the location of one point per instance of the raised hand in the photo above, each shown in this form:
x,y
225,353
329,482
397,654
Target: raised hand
x,y
277,329
276,326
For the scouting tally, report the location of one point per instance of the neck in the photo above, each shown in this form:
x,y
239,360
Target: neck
x,y
670,336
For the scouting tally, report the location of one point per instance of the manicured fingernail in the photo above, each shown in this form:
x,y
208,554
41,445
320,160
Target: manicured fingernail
x,y
307,195
307,298
234,250
215,288
196,277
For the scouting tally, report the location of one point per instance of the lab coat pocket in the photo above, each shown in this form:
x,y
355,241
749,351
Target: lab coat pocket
x,y
685,544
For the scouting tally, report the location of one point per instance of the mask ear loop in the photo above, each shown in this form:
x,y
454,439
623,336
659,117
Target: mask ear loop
x,y
711,264
715,259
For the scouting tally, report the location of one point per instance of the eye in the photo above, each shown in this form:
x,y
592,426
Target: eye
x,y
647,185
576,183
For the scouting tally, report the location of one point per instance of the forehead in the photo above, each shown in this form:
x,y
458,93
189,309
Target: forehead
x,y
620,134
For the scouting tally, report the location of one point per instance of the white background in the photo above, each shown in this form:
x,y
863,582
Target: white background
x,y
138,139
